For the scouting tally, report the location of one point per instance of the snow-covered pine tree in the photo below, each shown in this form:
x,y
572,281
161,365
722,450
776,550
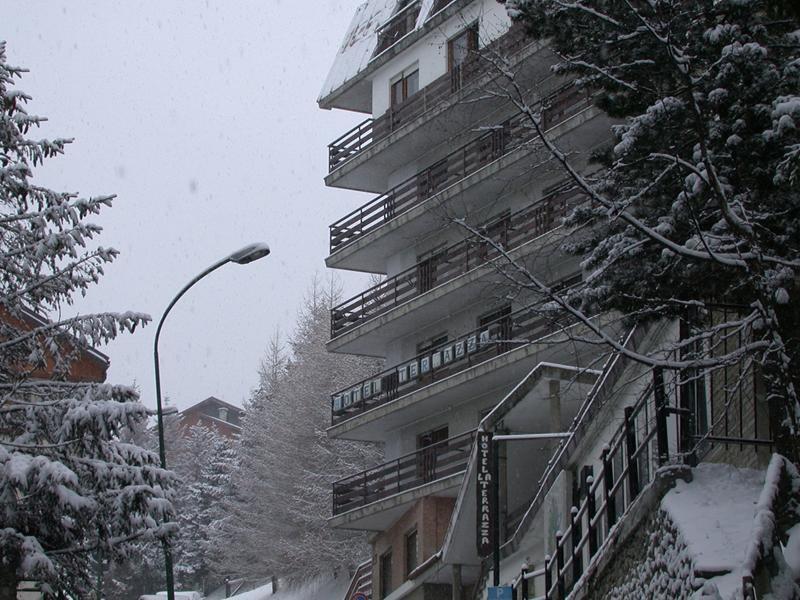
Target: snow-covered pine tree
x,y
251,527
205,467
288,464
698,201
70,486
143,569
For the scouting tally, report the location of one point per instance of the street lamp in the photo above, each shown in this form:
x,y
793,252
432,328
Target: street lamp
x,y
243,256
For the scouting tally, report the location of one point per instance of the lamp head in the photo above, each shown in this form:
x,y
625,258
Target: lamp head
x,y
249,253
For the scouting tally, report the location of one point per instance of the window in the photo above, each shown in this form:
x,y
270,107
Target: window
x,y
412,555
385,573
460,47
427,267
430,446
496,230
405,86
429,438
431,343
498,327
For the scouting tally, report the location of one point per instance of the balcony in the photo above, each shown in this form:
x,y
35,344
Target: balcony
x,y
400,25
508,232
495,338
500,141
470,76
427,465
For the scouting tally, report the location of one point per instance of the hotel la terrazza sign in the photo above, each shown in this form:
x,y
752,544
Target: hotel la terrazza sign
x,y
484,491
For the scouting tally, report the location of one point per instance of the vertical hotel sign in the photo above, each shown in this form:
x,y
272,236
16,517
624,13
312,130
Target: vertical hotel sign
x,y
484,490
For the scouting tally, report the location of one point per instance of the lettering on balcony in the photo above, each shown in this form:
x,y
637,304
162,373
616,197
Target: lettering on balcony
x,y
493,338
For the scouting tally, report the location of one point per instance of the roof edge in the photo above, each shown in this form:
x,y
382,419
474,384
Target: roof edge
x,y
327,102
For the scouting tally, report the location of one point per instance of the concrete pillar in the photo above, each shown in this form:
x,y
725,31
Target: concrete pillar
x,y
458,588
555,405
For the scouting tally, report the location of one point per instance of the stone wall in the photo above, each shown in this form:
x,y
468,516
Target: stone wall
x,y
652,563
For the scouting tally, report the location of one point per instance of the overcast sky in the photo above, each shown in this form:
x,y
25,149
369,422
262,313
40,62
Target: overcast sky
x,y
201,116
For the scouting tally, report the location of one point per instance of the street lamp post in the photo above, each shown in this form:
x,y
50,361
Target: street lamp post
x,y
243,256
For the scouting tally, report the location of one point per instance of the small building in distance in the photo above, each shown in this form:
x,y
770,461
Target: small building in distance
x,y
214,413
88,365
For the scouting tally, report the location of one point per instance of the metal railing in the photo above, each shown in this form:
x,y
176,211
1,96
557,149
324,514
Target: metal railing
x,y
509,232
361,582
459,164
492,339
426,465
628,463
363,135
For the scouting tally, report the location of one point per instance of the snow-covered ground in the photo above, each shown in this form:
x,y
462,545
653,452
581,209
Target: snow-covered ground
x,y
316,589
260,593
714,514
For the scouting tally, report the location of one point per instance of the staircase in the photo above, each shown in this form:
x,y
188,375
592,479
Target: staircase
x,y
361,585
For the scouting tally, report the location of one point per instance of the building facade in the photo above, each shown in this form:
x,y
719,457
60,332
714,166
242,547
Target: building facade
x,y
462,186
215,414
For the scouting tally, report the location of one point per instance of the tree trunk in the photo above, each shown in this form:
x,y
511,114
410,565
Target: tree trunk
x,y
8,582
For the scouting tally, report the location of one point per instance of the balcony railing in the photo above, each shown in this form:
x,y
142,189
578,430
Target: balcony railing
x,y
459,164
426,465
364,134
509,232
398,26
492,339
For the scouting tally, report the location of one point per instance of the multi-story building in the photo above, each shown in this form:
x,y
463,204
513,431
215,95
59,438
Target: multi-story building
x,y
461,185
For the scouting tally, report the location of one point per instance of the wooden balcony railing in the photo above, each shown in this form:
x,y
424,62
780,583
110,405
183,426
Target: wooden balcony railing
x,y
398,26
364,134
426,465
492,339
509,232
457,165
349,144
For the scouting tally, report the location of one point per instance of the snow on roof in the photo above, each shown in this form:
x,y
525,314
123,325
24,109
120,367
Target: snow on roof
x,y
359,43
361,39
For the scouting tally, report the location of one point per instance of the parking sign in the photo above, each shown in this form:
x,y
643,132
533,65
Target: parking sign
x,y
500,593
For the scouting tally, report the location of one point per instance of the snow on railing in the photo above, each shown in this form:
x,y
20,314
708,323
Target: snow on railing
x,y
762,534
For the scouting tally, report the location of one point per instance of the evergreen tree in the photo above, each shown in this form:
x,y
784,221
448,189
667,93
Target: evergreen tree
x,y
697,200
288,463
71,485
205,468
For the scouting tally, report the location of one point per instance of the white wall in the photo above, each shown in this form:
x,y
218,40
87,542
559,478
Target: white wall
x,y
430,52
